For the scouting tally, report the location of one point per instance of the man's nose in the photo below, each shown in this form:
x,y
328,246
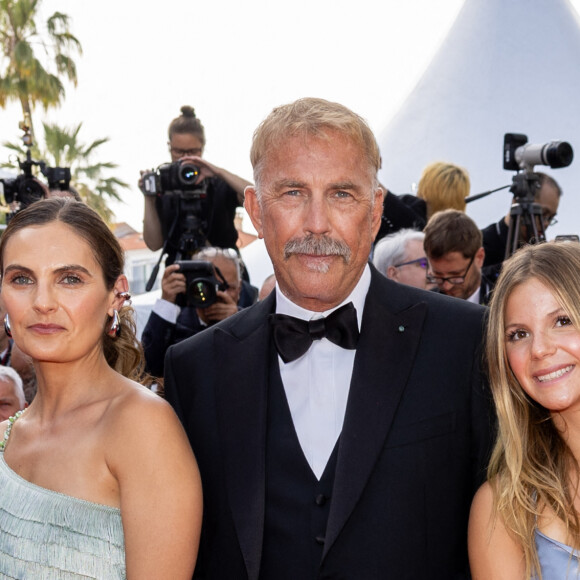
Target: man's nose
x,y
317,219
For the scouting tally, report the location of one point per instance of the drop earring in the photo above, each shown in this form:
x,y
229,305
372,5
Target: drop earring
x,y
7,328
115,328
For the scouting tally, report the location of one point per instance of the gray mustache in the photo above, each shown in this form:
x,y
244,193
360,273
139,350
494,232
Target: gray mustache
x,y
317,246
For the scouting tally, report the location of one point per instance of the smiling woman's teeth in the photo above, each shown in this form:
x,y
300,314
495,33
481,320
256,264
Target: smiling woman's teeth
x,y
555,374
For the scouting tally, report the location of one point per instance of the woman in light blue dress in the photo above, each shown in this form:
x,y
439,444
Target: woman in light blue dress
x,y
97,477
525,520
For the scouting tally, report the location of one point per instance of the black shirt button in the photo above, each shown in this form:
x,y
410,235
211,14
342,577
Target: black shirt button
x,y
320,500
320,540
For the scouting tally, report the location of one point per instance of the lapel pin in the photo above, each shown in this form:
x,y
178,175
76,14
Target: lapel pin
x,y
401,328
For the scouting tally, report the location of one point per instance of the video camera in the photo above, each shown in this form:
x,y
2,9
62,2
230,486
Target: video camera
x,y
177,177
526,223
202,284
518,154
24,189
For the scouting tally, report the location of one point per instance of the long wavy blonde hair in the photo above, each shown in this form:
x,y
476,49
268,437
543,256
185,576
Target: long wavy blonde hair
x,y
531,466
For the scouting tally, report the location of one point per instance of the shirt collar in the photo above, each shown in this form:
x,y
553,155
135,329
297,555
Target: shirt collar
x,y
475,296
358,296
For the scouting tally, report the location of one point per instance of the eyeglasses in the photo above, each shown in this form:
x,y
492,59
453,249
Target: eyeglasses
x,y
421,262
440,280
548,218
196,152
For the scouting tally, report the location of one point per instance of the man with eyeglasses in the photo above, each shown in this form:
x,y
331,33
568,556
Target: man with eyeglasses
x,y
401,257
495,236
453,244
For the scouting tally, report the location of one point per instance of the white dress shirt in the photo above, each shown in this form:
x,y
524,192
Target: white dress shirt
x,y
317,384
475,296
166,310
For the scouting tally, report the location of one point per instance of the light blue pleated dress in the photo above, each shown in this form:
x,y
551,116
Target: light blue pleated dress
x,y
557,561
49,535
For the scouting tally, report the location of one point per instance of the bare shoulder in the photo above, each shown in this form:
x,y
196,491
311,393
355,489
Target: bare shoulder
x,y
483,501
149,455
138,405
494,554
137,418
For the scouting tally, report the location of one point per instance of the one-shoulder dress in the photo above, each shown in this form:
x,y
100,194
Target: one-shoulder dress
x,y
557,561
48,535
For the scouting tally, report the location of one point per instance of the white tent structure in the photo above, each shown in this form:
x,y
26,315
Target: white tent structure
x,y
506,66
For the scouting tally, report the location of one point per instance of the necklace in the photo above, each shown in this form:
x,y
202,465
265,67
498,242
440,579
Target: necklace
x,y
11,422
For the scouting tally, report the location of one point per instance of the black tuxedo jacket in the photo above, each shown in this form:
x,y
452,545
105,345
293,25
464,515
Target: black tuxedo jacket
x,y
413,448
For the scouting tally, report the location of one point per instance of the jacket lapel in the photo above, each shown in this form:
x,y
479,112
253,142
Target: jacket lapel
x,y
384,358
241,399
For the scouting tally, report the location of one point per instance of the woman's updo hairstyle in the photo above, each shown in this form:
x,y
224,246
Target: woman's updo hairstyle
x,y
187,122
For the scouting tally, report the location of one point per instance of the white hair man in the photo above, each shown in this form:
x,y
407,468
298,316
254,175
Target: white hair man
x,y
337,434
12,397
401,257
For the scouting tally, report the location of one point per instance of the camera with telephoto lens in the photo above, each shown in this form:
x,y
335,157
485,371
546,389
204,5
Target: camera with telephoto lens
x,y
179,177
518,154
201,282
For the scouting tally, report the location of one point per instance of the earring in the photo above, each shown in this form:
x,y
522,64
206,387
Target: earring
x,y
115,328
126,297
7,328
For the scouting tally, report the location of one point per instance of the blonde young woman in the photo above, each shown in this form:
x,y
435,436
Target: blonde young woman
x,y
97,478
525,520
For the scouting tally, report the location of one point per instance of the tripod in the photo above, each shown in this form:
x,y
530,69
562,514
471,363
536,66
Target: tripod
x,y
526,222
193,228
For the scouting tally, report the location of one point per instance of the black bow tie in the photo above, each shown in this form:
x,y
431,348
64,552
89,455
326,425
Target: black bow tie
x,y
293,336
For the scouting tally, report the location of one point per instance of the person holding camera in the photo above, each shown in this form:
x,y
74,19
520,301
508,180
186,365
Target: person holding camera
x,y
170,323
220,193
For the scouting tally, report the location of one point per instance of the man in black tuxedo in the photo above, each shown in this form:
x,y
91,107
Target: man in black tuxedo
x,y
341,425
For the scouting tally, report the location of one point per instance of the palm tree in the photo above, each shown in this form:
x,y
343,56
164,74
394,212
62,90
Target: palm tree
x,y
26,76
62,148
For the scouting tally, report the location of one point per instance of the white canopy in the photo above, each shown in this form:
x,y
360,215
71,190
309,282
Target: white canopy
x,y
507,66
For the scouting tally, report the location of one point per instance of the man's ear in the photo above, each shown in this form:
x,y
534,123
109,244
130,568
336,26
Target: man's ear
x,y
479,257
254,209
377,211
392,272
120,294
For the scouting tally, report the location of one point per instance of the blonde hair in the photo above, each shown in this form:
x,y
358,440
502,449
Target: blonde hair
x,y
443,186
311,117
531,466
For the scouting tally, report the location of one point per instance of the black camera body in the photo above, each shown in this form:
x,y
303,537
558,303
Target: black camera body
x,y
22,189
178,177
57,177
201,283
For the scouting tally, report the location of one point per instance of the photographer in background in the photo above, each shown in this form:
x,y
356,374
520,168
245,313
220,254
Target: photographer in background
x,y
225,192
169,323
495,236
